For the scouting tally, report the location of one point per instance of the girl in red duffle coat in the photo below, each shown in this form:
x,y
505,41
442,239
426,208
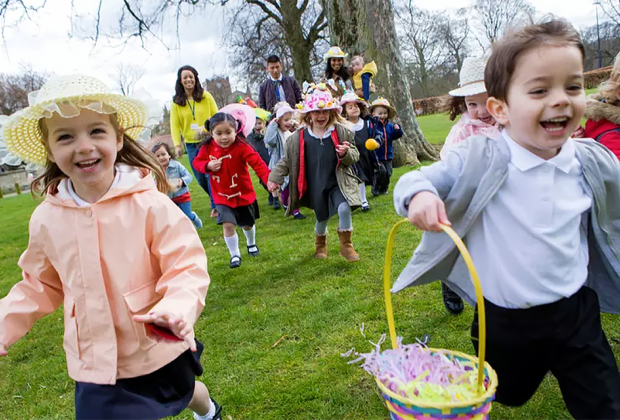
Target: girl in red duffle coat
x,y
225,156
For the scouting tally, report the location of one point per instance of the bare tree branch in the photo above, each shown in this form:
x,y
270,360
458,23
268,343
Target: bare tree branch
x,y
266,10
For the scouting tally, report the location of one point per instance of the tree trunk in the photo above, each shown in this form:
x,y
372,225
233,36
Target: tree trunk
x,y
366,27
293,32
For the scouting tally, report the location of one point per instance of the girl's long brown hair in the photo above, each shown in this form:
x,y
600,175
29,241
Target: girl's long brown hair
x,y
132,154
454,106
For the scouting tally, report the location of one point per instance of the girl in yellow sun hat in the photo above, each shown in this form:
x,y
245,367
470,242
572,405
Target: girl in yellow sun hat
x,y
126,263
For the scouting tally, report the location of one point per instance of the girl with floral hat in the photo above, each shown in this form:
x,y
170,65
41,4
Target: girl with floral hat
x,y
337,77
126,263
356,112
319,160
470,102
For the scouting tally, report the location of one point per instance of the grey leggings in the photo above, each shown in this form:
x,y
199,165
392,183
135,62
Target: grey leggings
x,y
344,220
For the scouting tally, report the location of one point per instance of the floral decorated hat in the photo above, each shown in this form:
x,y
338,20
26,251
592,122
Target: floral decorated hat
x,y
318,98
385,104
334,52
67,96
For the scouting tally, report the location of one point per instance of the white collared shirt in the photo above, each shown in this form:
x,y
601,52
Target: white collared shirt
x,y
528,244
280,88
125,176
327,133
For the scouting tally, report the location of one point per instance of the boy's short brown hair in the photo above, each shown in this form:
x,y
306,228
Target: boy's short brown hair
x,y
503,61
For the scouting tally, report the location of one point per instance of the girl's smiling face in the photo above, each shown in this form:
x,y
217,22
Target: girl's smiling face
x,y
162,156
319,118
84,148
224,134
285,122
477,108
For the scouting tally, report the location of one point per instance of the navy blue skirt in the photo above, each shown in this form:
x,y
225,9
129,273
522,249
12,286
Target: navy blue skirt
x,y
163,393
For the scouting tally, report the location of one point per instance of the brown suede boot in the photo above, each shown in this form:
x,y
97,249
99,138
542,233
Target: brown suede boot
x,y
320,247
346,247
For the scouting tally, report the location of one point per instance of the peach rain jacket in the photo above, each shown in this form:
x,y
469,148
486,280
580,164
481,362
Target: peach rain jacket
x,y
128,253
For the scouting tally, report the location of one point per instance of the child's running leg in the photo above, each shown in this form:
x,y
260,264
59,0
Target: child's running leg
x,y
320,240
250,236
232,242
202,405
345,231
388,166
187,209
365,206
586,366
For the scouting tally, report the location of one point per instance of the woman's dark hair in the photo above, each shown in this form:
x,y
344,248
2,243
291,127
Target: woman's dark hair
x,y
165,145
220,118
343,72
180,97
454,106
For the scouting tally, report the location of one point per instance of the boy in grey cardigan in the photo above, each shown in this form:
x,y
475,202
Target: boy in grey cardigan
x,y
540,213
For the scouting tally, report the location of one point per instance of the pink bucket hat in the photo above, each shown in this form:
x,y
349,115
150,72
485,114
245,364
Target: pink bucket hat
x,y
243,113
319,98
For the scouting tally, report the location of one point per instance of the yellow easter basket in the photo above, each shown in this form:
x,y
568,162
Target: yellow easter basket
x,y
477,408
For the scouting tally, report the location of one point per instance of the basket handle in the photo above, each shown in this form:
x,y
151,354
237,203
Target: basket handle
x,y
474,275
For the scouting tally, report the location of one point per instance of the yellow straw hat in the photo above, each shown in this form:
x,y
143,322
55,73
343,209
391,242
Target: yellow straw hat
x,y
66,96
385,104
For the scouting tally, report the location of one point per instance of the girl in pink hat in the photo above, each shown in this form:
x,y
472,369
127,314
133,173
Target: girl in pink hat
x,y
319,161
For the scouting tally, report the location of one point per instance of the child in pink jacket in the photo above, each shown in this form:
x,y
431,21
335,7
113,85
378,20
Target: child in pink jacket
x,y
125,262
470,102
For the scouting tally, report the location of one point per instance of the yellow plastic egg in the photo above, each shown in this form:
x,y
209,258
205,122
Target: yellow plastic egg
x,y
372,144
321,104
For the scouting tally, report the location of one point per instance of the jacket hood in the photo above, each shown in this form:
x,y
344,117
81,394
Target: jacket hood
x,y
598,109
128,180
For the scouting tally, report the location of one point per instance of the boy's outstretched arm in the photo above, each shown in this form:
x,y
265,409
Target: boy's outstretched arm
x,y
437,180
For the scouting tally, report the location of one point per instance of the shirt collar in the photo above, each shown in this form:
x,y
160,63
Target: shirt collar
x,y
78,200
327,133
279,78
524,160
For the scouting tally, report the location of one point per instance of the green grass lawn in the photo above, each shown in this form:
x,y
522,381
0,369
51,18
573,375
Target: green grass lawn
x,y
273,329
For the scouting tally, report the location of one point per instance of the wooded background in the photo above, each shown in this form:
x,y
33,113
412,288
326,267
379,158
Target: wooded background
x,y
419,52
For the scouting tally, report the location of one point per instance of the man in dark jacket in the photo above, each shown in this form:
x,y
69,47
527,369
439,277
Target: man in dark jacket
x,y
278,87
